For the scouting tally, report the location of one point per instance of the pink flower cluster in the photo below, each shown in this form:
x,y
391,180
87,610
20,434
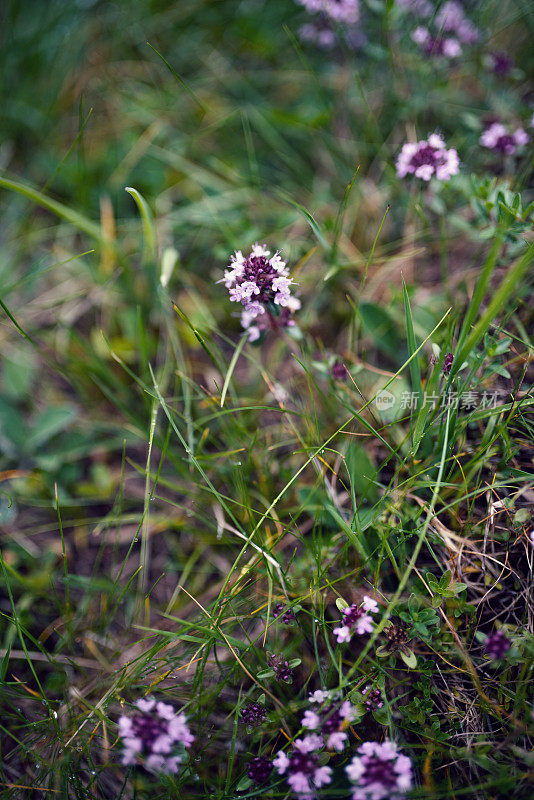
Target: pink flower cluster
x,y
341,11
302,768
451,18
379,772
498,137
421,8
329,720
428,158
260,282
356,620
154,736
436,45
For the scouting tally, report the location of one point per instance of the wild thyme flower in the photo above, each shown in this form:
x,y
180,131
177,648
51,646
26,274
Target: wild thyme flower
x,y
253,714
259,769
302,768
436,45
497,645
421,8
282,670
261,283
287,615
338,370
447,363
428,158
320,32
451,18
329,720
341,11
356,620
154,736
373,698
501,63
379,772
497,137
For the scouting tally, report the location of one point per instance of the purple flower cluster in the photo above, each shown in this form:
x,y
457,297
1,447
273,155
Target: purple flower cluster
x,y
253,714
287,615
373,698
447,363
379,772
501,63
302,768
451,18
428,158
355,619
421,8
436,45
497,137
261,283
259,769
153,737
340,11
497,645
282,670
329,720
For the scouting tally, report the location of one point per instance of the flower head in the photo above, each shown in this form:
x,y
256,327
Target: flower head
x,y
329,720
344,11
397,638
259,769
421,8
261,283
497,137
253,714
302,768
373,698
282,670
451,18
355,619
436,45
447,363
497,644
154,736
287,615
501,63
428,158
379,772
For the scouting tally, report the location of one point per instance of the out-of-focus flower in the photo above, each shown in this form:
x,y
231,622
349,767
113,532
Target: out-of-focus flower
x,y
287,615
373,698
428,158
497,645
154,736
436,45
355,619
253,714
451,18
338,370
497,137
282,670
346,11
302,768
421,8
261,283
259,769
330,719
319,32
501,63
379,772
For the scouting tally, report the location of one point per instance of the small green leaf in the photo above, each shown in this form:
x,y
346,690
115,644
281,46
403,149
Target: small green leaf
x,y
409,658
